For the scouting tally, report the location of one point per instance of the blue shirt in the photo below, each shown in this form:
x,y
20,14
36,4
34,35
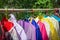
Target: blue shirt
x,y
38,33
57,18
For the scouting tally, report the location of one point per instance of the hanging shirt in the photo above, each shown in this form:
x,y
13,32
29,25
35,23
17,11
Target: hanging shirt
x,y
1,32
43,30
58,19
9,29
55,22
29,29
47,26
38,33
54,35
20,32
2,37
57,25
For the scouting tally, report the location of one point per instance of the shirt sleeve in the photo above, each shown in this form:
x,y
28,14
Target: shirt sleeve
x,y
23,35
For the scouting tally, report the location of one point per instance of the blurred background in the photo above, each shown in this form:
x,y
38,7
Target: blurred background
x,y
29,4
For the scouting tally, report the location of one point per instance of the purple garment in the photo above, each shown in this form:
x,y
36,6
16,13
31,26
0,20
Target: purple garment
x,y
29,29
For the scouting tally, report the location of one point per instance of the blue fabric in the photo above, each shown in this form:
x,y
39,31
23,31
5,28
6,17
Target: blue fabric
x,y
26,20
38,33
57,18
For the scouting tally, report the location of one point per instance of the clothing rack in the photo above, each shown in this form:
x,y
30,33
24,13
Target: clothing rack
x,y
21,10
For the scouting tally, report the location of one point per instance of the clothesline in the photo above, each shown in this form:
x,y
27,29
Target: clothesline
x,y
23,10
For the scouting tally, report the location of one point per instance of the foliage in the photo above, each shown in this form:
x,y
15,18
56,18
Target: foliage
x,y
28,4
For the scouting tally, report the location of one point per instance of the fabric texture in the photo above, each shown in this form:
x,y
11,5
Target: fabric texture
x,y
38,33
54,34
2,37
29,29
7,27
56,23
21,33
47,26
57,26
43,30
58,19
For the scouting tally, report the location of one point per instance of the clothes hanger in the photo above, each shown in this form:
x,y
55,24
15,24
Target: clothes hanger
x,y
42,15
6,14
56,12
32,17
39,16
56,15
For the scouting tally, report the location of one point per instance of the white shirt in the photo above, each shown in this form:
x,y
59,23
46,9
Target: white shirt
x,y
19,29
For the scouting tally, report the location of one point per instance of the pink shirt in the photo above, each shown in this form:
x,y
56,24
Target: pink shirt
x,y
43,30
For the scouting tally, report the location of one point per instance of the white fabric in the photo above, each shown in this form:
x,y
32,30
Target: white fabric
x,y
13,34
18,27
57,24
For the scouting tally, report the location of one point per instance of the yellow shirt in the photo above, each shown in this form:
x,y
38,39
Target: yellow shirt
x,y
54,34
57,24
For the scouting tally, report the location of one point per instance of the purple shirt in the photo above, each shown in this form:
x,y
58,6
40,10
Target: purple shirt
x,y
29,29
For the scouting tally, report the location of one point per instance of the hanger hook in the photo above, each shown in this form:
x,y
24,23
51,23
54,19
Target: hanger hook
x,y
56,11
47,12
6,14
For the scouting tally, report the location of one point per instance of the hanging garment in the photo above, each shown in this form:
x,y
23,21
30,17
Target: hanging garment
x,y
54,35
38,33
8,36
1,32
9,30
47,26
2,37
20,32
55,23
29,29
56,27
58,19
43,30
